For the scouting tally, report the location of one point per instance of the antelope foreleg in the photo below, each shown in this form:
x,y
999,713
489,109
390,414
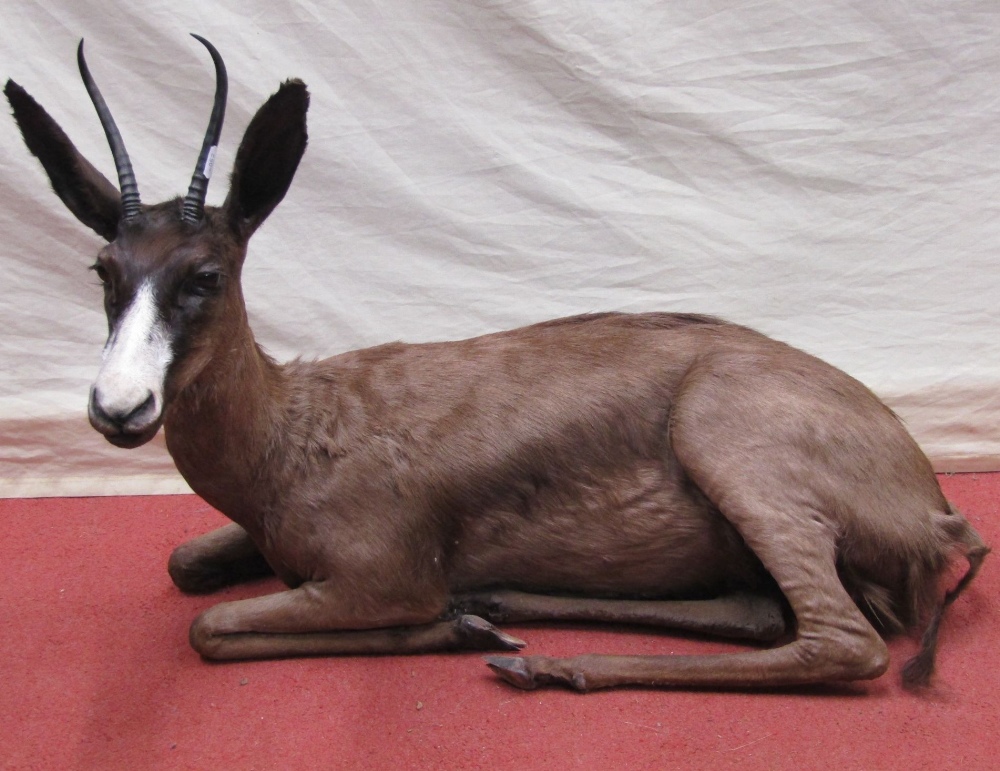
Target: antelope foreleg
x,y
220,558
296,623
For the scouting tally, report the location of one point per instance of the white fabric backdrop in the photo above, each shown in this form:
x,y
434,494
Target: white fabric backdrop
x,y
827,172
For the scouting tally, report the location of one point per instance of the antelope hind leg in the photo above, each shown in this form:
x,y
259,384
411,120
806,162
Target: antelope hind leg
x,y
741,616
220,558
782,518
291,623
833,641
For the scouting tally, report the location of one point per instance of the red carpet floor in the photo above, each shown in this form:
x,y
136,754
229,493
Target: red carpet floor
x,y
96,673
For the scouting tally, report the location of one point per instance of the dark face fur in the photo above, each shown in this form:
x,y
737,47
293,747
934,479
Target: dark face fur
x,y
163,280
169,269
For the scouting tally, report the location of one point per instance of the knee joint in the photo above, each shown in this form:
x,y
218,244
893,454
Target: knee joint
x,y
204,639
860,657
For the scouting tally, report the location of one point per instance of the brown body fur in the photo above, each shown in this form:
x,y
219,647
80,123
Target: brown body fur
x,y
515,459
661,469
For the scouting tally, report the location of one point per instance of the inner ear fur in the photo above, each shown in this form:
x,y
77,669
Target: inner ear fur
x,y
268,157
86,192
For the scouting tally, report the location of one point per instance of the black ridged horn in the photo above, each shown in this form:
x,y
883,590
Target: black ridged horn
x,y
194,202
131,205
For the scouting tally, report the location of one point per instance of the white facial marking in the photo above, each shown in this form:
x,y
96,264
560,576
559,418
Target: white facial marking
x,y
136,358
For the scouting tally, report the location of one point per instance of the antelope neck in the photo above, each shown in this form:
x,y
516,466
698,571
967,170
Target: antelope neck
x,y
220,428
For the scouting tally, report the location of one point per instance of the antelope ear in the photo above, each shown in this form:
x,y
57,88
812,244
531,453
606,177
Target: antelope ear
x,y
268,157
85,191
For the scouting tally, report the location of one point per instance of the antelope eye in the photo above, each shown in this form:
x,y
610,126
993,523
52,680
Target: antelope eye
x,y
102,273
205,282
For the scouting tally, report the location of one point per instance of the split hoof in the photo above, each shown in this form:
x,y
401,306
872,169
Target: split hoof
x,y
513,670
529,672
482,635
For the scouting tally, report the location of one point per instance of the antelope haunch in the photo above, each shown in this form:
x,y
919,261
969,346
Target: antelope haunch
x,y
659,469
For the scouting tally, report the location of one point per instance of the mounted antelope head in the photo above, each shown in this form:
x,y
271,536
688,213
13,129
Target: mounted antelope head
x,y
170,271
661,469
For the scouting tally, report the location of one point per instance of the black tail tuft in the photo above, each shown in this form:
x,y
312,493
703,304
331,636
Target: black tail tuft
x,y
918,670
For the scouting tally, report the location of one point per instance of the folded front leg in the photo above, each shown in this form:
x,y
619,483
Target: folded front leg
x,y
220,558
300,622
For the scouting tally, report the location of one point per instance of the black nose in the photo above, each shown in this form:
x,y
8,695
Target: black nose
x,y
123,419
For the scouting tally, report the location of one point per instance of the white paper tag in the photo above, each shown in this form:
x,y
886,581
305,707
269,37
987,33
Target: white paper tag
x,y
209,162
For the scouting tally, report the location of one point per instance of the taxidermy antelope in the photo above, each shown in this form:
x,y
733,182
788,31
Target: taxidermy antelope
x,y
662,469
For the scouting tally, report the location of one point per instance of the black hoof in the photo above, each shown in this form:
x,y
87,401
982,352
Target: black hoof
x,y
482,635
513,670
